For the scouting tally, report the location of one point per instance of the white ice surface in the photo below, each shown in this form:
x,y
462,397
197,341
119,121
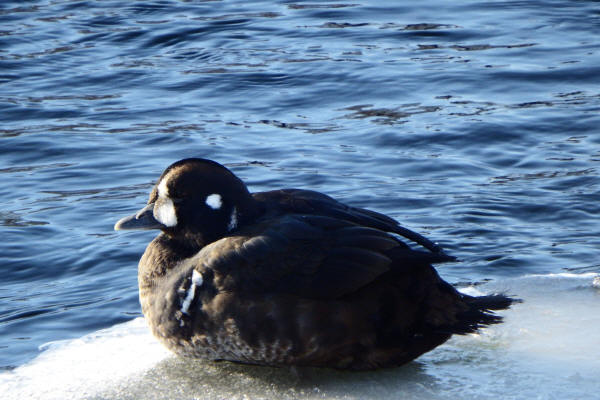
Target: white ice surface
x,y
548,348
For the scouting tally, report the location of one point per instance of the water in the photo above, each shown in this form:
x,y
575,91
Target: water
x,y
475,123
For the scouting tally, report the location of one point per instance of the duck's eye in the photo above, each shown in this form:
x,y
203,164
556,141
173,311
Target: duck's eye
x,y
178,197
214,201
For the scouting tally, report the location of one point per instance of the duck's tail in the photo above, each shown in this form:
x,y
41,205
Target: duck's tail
x,y
479,312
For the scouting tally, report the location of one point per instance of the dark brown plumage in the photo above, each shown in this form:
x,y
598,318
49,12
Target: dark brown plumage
x,y
290,277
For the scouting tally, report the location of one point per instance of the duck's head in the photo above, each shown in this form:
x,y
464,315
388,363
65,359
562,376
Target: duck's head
x,y
196,198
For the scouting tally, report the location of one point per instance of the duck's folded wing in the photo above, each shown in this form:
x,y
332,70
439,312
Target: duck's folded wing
x,y
315,203
305,255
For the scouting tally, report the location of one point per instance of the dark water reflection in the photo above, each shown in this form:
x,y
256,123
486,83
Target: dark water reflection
x,y
475,123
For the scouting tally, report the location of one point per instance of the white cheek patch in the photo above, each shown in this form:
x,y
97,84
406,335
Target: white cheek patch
x,y
197,281
163,190
214,201
164,212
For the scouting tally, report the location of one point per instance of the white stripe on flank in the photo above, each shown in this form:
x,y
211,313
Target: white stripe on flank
x,y
196,282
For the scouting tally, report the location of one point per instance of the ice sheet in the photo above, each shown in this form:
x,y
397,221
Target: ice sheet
x,y
548,348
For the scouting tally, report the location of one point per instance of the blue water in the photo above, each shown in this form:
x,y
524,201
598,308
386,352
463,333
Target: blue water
x,y
475,123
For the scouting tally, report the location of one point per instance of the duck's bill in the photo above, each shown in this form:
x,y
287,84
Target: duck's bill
x,y
143,219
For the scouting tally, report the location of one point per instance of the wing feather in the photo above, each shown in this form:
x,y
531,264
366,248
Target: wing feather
x,y
299,255
310,202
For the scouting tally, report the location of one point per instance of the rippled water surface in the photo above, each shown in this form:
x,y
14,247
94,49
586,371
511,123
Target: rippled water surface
x,y
476,123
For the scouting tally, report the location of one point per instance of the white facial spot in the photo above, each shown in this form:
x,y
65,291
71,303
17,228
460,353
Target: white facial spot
x,y
163,190
233,222
214,201
164,210
197,281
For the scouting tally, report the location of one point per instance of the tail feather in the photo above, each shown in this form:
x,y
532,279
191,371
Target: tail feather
x,y
497,301
479,312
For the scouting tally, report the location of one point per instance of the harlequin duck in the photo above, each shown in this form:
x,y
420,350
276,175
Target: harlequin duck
x,y
290,277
